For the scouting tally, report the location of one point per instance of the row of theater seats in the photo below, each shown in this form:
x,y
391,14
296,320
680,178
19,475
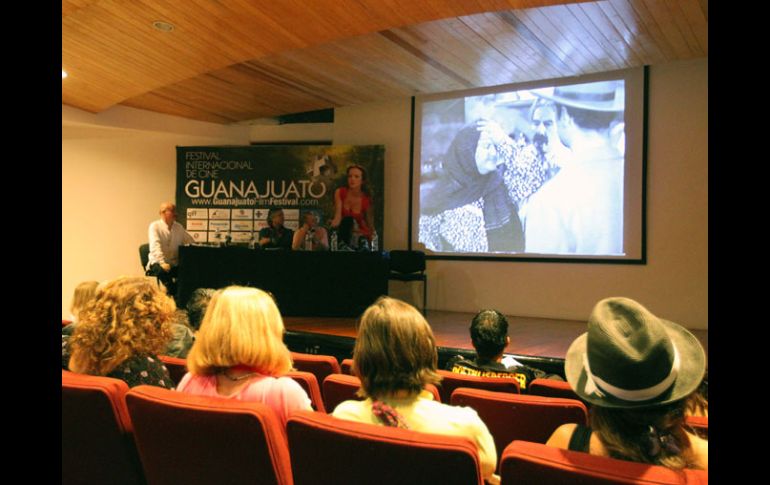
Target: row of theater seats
x,y
111,434
324,367
319,376
191,439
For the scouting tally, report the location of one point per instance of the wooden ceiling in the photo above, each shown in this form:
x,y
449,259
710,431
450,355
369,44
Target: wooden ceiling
x,y
234,60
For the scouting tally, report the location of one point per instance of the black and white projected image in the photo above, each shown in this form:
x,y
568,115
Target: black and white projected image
x,y
536,171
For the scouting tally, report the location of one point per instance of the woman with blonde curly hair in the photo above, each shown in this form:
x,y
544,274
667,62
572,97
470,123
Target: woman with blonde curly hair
x,y
121,332
239,353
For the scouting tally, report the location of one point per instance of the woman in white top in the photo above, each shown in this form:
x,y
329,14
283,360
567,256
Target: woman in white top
x,y
395,357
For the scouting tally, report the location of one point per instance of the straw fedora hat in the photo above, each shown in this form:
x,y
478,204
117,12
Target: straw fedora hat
x,y
598,96
631,358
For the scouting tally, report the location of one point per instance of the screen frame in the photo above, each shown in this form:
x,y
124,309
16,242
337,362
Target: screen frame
x,y
579,259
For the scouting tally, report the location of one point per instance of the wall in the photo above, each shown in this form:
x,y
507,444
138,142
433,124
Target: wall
x,y
112,183
117,167
673,284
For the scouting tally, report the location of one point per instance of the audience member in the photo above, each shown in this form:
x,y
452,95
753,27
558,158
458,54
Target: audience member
x,y
182,336
84,292
395,357
239,353
489,335
122,331
166,235
637,371
197,305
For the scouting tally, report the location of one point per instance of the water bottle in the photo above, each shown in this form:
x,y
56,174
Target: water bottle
x,y
309,240
217,238
363,244
334,241
252,241
375,241
228,239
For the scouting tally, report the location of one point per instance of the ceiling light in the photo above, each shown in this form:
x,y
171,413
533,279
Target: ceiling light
x,y
163,26
63,73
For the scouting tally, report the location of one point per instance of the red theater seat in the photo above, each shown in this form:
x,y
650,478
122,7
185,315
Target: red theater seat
x,y
519,417
320,365
451,381
699,424
525,462
203,440
338,388
96,443
347,366
176,367
341,387
551,388
311,387
327,450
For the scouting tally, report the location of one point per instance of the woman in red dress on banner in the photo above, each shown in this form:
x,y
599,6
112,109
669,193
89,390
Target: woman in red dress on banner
x,y
355,201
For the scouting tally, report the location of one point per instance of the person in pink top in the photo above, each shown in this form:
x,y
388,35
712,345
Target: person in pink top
x,y
239,353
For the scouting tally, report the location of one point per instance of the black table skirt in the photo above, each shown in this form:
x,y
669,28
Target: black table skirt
x,y
333,284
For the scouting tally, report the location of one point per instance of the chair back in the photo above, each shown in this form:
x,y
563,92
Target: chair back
x,y
525,462
338,388
404,261
699,425
320,365
451,381
520,417
96,443
347,366
342,387
190,439
144,255
309,383
552,388
377,455
177,367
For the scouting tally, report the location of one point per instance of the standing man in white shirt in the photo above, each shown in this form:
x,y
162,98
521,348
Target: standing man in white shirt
x,y
166,235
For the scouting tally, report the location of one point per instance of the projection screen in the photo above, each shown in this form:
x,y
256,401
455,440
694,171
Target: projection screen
x,y
547,170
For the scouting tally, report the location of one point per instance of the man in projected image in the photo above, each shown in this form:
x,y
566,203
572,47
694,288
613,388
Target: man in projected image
x,y
546,136
580,210
528,165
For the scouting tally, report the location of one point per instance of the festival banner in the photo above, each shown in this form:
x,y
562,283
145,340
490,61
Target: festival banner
x,y
230,190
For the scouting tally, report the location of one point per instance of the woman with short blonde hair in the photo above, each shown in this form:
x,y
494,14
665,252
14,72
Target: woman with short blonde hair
x,y
239,353
122,331
395,357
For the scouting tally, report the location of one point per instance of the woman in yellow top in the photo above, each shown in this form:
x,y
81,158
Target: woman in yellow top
x,y
395,357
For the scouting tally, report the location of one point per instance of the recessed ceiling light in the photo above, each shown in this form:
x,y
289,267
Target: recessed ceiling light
x,y
163,26
63,73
